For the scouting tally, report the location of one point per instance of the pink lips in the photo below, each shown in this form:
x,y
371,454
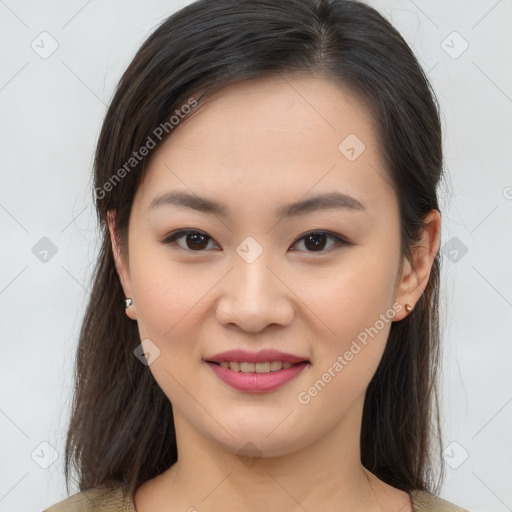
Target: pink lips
x,y
256,382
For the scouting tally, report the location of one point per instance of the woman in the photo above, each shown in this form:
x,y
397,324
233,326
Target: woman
x,y
262,332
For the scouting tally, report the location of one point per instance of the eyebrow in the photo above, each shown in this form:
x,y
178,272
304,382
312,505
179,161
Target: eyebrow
x,y
328,201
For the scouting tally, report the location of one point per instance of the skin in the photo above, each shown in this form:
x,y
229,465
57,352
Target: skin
x,y
254,147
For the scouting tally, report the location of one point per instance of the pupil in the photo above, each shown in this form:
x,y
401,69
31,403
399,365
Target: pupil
x,y
317,244
197,241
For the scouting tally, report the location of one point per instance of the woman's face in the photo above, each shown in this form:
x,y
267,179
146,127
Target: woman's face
x,y
290,165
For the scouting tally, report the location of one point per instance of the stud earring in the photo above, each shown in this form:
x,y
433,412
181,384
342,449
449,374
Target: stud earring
x,y
127,303
408,308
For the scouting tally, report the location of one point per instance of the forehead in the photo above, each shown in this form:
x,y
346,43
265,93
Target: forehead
x,y
272,140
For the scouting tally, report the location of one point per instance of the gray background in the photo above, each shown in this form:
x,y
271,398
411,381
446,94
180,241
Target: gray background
x,y
52,108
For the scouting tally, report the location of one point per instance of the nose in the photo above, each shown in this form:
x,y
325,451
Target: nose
x,y
254,296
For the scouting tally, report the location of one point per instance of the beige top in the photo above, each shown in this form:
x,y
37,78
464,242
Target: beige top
x,y
106,499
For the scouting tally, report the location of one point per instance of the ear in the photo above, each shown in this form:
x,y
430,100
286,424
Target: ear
x,y
122,266
415,274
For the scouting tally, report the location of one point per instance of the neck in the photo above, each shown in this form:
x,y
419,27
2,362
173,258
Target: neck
x,y
326,474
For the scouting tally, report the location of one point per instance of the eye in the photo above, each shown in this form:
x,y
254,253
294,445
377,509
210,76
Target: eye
x,y
193,240
317,241
197,241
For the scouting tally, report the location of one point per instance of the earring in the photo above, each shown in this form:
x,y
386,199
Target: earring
x,y
408,308
127,303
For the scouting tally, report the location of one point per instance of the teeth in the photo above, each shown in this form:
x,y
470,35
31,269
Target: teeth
x,y
275,366
234,365
266,367
247,367
262,367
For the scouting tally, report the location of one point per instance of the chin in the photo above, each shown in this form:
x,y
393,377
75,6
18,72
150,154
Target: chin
x,y
260,438
254,447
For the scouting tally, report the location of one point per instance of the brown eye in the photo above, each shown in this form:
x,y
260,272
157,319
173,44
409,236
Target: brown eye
x,y
192,240
316,241
197,241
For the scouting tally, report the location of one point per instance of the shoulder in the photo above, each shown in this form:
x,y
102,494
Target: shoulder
x,y
104,498
423,501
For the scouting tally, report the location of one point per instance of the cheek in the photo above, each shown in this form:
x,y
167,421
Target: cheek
x,y
358,315
355,304
166,293
170,301
353,296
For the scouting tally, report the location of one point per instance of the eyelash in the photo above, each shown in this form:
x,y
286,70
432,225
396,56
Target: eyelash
x,y
339,241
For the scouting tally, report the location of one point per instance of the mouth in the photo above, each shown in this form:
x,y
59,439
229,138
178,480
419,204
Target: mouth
x,y
261,367
258,372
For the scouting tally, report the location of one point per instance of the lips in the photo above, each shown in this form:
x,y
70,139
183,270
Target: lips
x,y
256,372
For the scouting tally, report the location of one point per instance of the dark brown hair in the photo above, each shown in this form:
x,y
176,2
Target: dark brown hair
x,y
121,428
